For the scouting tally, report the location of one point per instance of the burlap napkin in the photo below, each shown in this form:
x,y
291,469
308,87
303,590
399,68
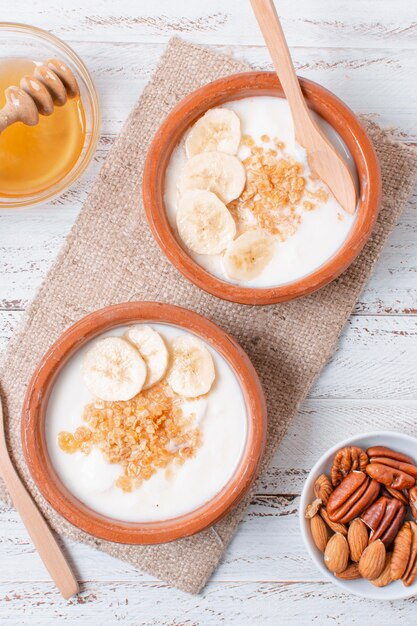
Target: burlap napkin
x,y
110,256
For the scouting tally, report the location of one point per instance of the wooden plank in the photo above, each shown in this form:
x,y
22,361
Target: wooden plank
x,y
268,546
30,240
225,21
155,604
375,81
369,81
375,359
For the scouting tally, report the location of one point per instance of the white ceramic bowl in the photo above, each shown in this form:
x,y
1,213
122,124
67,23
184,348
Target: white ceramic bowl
x,y
396,441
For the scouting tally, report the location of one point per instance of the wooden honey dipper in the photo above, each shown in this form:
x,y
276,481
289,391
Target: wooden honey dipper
x,y
51,85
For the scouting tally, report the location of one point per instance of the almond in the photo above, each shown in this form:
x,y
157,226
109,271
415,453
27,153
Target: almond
x,y
319,532
372,561
350,573
385,578
336,527
323,488
401,551
357,538
336,555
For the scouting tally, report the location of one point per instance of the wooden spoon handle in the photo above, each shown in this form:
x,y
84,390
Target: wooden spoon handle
x,y
274,37
39,531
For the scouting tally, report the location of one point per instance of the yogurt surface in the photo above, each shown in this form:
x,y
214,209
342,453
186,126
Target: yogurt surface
x,y
221,417
321,232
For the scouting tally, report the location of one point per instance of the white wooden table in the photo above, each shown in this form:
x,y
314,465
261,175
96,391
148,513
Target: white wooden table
x,y
367,54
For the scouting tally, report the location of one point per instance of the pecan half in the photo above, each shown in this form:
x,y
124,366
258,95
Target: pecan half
x,y
412,496
401,551
408,468
396,493
390,476
354,494
387,452
347,460
384,518
370,494
374,515
391,532
411,569
349,490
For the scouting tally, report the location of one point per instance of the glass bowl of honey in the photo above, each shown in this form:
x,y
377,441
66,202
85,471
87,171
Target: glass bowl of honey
x,y
41,161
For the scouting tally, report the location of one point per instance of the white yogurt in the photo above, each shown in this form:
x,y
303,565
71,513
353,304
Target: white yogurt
x,y
221,417
321,232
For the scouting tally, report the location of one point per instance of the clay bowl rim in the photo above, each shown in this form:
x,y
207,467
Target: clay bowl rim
x,y
235,87
36,401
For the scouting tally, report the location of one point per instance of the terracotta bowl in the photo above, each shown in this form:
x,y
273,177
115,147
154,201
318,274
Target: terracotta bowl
x,y
36,402
235,87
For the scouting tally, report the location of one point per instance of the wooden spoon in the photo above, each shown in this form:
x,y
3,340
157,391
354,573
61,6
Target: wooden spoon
x,y
39,531
323,157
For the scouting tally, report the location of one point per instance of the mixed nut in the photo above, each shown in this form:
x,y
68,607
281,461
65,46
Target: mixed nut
x,y
358,517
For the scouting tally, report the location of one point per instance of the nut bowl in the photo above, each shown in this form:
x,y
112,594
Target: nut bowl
x,y
396,441
46,378
322,102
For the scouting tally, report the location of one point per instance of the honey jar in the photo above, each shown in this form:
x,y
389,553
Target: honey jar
x,y
40,159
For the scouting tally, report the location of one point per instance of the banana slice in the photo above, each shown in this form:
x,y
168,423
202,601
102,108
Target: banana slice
x,y
152,349
247,255
204,223
192,369
221,173
218,129
113,370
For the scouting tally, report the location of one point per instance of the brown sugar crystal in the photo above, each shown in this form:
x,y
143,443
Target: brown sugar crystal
x,y
143,434
275,192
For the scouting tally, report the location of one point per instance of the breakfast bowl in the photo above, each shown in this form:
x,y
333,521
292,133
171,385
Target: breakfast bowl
x,y
143,423
164,191
394,590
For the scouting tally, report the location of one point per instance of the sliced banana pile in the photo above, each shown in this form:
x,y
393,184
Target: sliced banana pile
x,y
118,368
212,177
